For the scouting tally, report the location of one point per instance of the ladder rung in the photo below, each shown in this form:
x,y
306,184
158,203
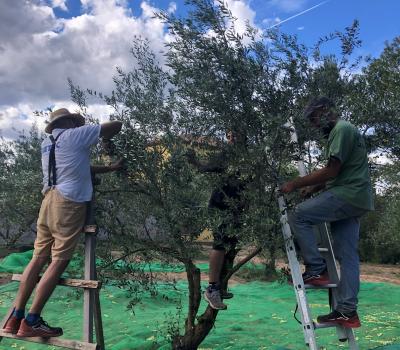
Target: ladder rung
x,y
63,343
325,286
324,325
87,284
323,249
90,229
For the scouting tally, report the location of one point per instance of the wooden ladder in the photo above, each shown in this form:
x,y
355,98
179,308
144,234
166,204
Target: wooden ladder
x,y
91,298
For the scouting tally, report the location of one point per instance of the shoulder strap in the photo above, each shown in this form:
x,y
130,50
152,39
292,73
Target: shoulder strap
x,y
52,161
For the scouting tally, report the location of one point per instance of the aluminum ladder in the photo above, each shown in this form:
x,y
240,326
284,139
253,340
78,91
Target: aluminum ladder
x,y
325,247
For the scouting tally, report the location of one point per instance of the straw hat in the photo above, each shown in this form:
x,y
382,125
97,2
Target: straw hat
x,y
60,114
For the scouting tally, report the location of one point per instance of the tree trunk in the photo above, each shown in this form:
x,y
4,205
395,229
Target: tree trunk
x,y
193,338
197,328
196,332
270,266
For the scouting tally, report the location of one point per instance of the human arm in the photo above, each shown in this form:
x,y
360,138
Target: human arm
x,y
318,177
101,169
110,129
307,191
340,145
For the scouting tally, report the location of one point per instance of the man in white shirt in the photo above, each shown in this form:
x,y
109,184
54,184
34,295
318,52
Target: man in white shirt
x,y
67,188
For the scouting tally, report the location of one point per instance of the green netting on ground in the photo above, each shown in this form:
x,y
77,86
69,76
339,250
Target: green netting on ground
x,y
16,262
258,317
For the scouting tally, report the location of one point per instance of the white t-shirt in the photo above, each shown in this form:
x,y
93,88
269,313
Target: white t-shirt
x,y
72,161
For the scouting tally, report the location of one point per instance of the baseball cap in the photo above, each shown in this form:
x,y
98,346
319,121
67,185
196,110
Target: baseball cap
x,y
317,103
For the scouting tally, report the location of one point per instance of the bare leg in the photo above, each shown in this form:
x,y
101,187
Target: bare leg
x,y
47,285
217,258
213,291
28,281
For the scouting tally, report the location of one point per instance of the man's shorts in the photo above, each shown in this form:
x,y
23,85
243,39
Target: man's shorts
x,y
59,226
222,239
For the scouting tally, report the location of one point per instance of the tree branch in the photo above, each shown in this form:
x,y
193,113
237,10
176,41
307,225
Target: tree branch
x,y
241,263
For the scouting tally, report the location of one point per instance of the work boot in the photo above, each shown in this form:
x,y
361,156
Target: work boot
x,y
345,319
39,329
12,325
213,297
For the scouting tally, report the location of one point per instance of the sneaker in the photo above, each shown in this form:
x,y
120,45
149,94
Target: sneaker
x,y
12,325
213,297
39,329
347,320
226,295
316,279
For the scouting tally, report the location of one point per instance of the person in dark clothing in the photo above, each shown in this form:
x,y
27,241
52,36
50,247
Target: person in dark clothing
x,y
227,197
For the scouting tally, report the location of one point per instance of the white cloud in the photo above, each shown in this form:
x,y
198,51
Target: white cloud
x,y
243,15
269,22
242,11
300,28
172,7
288,5
60,3
15,119
38,51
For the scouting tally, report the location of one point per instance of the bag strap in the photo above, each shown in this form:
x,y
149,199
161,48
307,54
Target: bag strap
x,y
52,161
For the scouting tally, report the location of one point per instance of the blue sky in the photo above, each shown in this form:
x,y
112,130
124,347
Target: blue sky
x,y
44,42
379,19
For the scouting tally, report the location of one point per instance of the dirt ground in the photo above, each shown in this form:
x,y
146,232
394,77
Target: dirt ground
x,y
380,273
374,272
5,278
369,273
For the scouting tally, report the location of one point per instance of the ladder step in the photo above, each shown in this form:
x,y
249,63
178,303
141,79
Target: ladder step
x,y
90,229
87,284
63,343
324,325
325,286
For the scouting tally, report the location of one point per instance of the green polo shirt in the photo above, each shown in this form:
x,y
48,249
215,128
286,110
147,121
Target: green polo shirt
x,y
353,183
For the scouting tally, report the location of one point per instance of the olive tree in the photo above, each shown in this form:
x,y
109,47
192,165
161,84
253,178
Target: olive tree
x,y
214,80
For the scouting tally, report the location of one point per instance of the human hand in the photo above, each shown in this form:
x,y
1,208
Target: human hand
x,y
288,187
306,192
117,165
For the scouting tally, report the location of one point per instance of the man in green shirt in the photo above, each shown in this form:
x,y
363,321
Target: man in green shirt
x,y
347,196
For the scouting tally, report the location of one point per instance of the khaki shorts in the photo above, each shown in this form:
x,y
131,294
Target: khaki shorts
x,y
59,226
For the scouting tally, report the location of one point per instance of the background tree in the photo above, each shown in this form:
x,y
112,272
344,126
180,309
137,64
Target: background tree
x,y
375,101
374,105
20,179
